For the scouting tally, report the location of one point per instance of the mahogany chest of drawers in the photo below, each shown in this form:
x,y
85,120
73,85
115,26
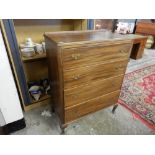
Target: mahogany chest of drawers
x,y
86,70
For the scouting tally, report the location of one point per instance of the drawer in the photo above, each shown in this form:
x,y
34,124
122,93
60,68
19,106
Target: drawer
x,y
85,56
86,92
72,113
84,75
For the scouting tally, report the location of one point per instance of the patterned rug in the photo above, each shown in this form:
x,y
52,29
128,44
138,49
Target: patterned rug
x,y
138,94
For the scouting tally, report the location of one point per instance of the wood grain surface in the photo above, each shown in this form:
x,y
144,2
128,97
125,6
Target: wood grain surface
x,y
86,70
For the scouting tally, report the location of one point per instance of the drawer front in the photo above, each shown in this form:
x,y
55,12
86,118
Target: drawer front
x,y
86,92
84,75
85,56
93,105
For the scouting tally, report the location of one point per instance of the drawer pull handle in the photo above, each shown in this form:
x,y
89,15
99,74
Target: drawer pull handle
x,y
76,77
123,51
113,85
75,56
75,96
119,67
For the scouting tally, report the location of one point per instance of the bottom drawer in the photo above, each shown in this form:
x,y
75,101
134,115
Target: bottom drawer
x,y
74,112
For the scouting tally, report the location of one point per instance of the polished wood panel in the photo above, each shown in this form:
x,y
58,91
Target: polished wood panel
x,y
87,36
72,113
84,56
86,92
144,27
89,74
55,75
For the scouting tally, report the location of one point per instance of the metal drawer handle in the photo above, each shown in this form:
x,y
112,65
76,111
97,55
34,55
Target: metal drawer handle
x,y
75,96
119,67
75,56
76,77
113,85
123,51
76,112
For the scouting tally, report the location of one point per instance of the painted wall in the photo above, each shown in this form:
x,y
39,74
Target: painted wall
x,y
2,121
127,20
10,108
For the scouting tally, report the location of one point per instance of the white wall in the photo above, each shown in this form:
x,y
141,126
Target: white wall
x,y
2,121
9,100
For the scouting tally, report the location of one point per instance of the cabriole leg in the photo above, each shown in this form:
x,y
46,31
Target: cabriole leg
x,y
63,129
114,108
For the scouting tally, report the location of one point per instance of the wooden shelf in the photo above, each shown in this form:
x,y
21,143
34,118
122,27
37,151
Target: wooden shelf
x,y
44,100
43,22
44,97
34,58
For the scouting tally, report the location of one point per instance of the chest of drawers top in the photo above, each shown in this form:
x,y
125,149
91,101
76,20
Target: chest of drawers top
x,y
64,38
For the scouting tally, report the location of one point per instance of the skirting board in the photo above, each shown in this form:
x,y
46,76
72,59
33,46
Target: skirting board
x,y
1,131
14,126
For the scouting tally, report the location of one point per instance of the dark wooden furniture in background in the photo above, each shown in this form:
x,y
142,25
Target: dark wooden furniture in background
x,y
139,42
103,24
86,71
107,24
138,48
146,27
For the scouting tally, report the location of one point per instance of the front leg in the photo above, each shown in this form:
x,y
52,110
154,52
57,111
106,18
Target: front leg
x,y
52,108
62,131
63,127
114,108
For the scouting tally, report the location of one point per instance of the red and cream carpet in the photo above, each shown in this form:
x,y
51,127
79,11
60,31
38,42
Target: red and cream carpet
x,y
138,94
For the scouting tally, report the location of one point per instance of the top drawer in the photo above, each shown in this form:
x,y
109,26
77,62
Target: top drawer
x,y
85,56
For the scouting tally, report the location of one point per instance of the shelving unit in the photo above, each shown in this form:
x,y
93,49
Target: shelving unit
x,y
34,58
36,67
41,102
44,97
